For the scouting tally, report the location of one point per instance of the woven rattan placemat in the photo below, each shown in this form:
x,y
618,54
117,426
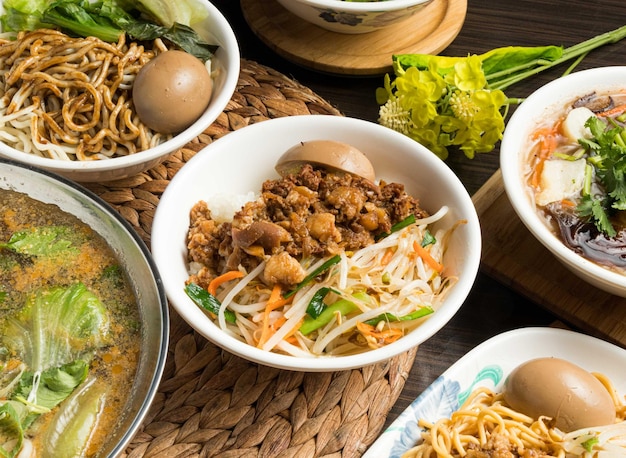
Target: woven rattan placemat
x,y
212,403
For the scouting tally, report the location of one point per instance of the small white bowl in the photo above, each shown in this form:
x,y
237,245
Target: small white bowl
x,y
539,106
241,161
354,17
225,64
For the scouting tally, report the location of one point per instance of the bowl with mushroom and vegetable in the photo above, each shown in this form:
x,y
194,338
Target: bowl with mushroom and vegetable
x,y
144,87
316,243
354,16
561,160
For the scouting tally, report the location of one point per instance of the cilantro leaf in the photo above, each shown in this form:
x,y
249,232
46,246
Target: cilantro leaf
x,y
607,155
594,209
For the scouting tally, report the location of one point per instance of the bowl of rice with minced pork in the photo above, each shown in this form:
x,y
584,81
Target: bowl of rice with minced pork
x,y
316,243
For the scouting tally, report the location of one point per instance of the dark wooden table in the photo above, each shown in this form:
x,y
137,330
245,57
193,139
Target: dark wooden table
x,y
491,308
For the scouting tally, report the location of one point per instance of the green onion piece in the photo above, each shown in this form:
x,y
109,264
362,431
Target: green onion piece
x,y
316,305
320,270
396,227
429,239
389,317
208,301
589,443
343,306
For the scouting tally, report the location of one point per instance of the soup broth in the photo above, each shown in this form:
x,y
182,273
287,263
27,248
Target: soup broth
x,y
69,331
574,177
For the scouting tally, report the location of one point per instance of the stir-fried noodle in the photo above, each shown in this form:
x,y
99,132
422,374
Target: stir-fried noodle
x,y
378,284
70,98
485,423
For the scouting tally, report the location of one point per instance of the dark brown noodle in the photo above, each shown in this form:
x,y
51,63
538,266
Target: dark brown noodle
x,y
70,98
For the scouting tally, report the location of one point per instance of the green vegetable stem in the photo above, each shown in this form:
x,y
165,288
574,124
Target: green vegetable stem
x,y
342,306
317,272
208,301
458,102
389,317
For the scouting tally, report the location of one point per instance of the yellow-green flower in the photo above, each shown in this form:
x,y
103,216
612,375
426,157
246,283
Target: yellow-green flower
x,y
443,110
457,102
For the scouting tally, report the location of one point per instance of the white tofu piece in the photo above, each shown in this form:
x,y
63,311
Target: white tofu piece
x,y
560,179
574,124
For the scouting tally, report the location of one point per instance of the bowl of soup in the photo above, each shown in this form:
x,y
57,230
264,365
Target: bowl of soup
x,y
355,17
561,158
110,110
316,243
83,318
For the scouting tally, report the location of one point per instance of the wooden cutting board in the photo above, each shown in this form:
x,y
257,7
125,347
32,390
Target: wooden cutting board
x,y
514,257
429,31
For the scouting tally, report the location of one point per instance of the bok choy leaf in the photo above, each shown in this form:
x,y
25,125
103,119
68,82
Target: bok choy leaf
x,y
11,431
73,423
56,327
54,384
110,19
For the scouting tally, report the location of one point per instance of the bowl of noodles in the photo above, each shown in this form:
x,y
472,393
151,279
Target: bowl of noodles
x,y
560,161
466,410
70,104
276,247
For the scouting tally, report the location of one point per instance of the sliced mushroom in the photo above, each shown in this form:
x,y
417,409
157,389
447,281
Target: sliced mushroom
x,y
327,153
595,102
265,234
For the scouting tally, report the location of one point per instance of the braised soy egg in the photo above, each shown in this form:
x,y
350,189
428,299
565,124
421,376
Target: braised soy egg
x,y
172,91
559,389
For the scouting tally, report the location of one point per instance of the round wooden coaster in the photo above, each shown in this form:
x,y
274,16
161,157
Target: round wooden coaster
x,y
428,32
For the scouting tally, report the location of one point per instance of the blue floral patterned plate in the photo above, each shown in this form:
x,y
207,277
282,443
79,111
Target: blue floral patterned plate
x,y
488,365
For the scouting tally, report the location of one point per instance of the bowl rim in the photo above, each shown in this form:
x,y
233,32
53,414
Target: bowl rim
x,y
562,90
363,7
189,311
164,334
232,62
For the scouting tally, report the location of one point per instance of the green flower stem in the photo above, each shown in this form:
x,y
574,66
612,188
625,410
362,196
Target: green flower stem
x,y
579,50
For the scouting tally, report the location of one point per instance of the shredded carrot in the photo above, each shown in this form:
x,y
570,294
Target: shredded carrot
x,y
278,323
613,111
378,338
290,335
568,203
217,281
386,257
275,301
427,257
547,138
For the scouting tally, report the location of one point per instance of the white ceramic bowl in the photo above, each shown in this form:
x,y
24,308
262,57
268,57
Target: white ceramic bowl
x,y
135,258
354,17
239,163
538,107
226,64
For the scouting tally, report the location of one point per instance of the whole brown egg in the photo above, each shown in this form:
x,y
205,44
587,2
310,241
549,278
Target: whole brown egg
x,y
561,390
172,91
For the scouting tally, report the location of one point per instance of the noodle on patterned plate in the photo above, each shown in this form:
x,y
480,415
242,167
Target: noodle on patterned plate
x,y
70,98
485,426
